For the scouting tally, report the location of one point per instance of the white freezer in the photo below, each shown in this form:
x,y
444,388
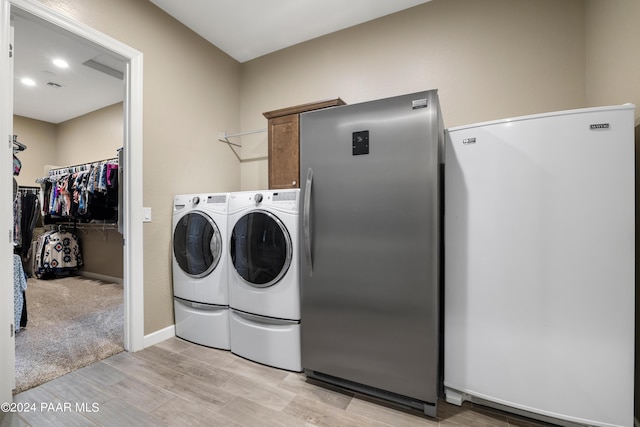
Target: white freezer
x,y
539,265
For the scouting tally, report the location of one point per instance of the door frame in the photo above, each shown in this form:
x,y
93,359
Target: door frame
x,y
132,185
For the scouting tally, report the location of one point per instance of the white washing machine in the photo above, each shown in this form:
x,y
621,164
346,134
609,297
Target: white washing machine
x,y
264,286
200,288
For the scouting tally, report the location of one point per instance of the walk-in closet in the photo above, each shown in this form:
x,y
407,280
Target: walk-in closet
x,y
68,243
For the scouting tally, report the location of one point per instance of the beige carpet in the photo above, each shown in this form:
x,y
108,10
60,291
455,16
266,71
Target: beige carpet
x,y
72,322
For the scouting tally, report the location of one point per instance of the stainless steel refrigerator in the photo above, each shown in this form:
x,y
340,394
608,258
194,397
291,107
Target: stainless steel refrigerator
x,y
370,247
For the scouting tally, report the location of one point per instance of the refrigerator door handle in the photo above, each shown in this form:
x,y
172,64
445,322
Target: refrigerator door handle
x,y
306,212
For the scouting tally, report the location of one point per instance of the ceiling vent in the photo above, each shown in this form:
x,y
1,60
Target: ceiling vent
x,y
104,68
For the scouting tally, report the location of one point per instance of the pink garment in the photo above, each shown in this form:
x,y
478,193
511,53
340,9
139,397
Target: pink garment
x,y
110,167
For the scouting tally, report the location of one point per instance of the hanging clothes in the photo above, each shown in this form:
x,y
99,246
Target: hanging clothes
x,y
29,217
26,212
19,288
17,165
17,217
57,253
83,192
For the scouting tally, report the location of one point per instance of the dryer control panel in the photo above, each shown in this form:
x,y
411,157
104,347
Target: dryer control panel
x,y
284,200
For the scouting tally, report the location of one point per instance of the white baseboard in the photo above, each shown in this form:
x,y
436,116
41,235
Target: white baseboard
x,y
102,277
159,336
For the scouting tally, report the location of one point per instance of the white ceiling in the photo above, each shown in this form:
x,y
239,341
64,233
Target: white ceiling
x,y
83,89
244,29
247,29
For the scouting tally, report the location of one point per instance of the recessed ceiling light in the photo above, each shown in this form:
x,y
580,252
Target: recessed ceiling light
x,y
28,82
61,63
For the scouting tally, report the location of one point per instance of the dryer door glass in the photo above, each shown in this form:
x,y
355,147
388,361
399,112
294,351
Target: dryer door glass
x,y
260,248
197,244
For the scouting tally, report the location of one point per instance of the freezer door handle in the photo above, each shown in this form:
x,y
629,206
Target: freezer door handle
x,y
306,213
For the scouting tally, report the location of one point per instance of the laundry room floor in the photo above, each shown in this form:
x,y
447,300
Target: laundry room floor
x,y
177,383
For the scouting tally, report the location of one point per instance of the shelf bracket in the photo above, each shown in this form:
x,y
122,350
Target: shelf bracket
x,y
225,139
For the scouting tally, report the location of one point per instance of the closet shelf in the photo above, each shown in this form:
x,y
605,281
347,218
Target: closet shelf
x,y
225,139
84,227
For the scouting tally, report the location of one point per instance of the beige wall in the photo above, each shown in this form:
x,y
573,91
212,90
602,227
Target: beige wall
x,y
191,92
489,59
94,136
40,139
102,253
613,62
90,137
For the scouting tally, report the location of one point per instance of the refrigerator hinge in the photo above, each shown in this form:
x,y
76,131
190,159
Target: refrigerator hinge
x,y
10,50
12,330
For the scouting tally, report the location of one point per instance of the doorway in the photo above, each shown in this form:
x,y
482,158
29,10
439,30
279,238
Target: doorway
x,y
131,184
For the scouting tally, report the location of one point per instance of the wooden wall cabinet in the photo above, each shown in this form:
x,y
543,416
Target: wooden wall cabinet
x,y
284,143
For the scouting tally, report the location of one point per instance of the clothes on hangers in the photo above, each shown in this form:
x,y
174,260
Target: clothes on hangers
x,y
57,253
26,211
19,287
82,192
17,166
17,208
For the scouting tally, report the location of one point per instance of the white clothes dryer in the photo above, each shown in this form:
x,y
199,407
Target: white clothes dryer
x,y
264,286
199,262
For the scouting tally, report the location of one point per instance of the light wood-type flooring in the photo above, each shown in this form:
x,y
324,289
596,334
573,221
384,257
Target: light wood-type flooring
x,y
177,383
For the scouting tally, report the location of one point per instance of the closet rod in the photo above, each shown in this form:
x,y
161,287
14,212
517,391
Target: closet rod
x,y
60,170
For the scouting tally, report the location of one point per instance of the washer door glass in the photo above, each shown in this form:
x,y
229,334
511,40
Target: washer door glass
x,y
260,248
197,244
